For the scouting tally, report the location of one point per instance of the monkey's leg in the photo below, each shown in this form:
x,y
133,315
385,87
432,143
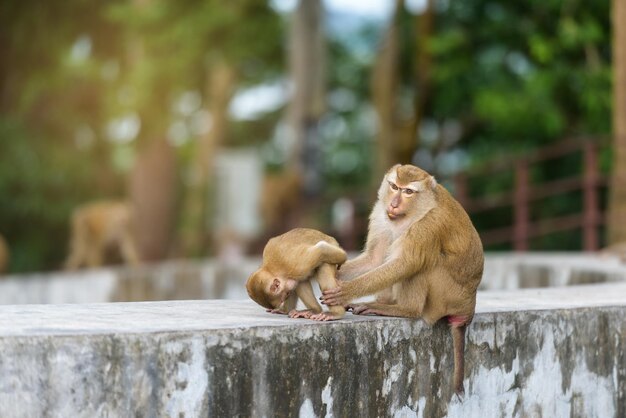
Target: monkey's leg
x,y
328,253
76,258
78,247
326,280
94,255
385,296
384,309
409,303
129,249
305,293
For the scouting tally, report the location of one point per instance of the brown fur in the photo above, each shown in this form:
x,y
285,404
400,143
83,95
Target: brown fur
x,y
4,255
97,226
423,257
616,250
297,256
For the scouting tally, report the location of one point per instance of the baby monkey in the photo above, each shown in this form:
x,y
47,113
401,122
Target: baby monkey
x,y
290,261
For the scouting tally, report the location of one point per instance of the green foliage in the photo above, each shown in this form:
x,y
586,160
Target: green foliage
x,y
514,75
40,183
519,76
522,74
70,68
347,130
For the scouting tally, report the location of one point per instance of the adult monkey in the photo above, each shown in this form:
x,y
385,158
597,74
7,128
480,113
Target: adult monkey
x,y
97,226
422,254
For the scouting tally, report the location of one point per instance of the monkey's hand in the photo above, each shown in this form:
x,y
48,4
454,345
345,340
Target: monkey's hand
x,y
306,314
276,311
336,296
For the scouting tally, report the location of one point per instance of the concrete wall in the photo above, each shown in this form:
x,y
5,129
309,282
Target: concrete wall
x,y
523,270
530,353
177,280
174,280
552,349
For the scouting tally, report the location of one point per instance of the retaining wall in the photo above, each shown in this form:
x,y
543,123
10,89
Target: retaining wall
x,y
553,352
179,280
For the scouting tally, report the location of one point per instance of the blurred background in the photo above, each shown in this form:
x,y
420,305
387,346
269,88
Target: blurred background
x,y
210,126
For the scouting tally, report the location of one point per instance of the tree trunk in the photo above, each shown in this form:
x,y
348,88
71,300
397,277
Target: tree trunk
x,y
194,232
152,180
384,87
282,202
307,62
423,61
617,202
152,194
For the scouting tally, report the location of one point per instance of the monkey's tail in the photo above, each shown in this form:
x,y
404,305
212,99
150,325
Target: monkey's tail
x,y
457,328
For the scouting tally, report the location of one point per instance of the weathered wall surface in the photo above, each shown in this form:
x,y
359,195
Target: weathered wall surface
x,y
523,270
174,280
530,353
178,280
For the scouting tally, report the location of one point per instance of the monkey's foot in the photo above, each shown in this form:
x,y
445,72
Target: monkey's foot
x,y
363,309
276,311
326,316
306,314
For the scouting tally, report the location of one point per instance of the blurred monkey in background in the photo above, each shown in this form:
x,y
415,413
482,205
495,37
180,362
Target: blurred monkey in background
x,y
97,228
615,250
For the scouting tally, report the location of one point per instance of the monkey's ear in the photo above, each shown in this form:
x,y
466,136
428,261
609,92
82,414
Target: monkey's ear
x,y
432,182
275,287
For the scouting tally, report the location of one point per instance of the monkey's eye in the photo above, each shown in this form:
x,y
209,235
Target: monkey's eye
x,y
408,191
393,186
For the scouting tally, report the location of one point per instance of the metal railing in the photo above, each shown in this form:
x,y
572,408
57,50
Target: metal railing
x,y
588,179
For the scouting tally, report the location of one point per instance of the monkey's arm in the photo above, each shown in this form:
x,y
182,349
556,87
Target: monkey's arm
x,y
369,259
305,293
369,283
418,249
287,306
355,267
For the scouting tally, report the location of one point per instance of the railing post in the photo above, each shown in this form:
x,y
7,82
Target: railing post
x,y
590,195
460,189
520,207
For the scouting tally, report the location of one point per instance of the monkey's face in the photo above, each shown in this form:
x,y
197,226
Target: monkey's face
x,y
268,290
280,289
405,189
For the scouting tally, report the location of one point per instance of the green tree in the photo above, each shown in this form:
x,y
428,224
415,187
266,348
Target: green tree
x,y
53,153
72,75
